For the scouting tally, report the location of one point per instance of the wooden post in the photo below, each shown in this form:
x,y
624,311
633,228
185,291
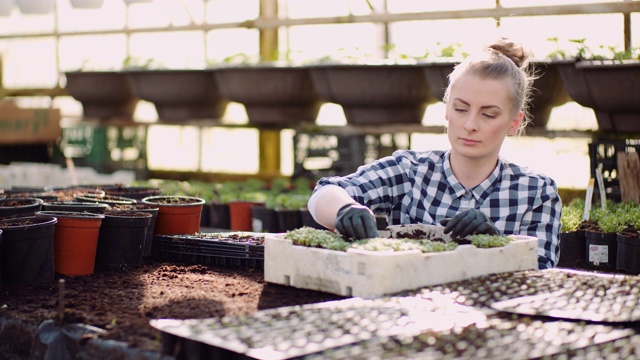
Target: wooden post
x,y
269,37
629,176
269,147
269,152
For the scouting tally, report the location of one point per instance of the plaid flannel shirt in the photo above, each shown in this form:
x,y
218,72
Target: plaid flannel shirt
x,y
411,187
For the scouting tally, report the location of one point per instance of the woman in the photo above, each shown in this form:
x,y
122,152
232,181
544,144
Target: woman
x,y
469,188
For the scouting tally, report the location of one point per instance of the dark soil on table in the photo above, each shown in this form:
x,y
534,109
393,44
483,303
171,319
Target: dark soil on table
x,y
123,302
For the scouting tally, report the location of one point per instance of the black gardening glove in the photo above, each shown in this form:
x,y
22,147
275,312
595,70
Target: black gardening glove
x,y
467,222
356,221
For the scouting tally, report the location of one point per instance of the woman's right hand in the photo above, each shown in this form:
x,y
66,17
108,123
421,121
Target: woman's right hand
x,y
356,221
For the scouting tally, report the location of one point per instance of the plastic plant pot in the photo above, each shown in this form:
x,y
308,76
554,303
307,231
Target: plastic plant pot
x,y
74,206
121,240
75,241
240,217
151,209
176,214
28,249
12,207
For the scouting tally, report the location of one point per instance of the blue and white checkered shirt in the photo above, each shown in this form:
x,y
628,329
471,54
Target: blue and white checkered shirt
x,y
411,187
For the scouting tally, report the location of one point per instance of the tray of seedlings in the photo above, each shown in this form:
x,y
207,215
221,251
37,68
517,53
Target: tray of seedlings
x,y
403,257
554,293
225,248
433,326
295,331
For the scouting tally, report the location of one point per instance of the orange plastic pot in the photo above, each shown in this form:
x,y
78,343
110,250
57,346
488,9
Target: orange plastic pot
x,y
176,214
241,215
75,241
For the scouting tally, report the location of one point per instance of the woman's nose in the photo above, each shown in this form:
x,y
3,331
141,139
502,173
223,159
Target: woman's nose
x,y
471,122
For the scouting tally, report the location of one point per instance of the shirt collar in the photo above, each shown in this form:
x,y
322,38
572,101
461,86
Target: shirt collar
x,y
479,191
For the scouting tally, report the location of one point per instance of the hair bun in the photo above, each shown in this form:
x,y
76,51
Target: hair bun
x,y
514,51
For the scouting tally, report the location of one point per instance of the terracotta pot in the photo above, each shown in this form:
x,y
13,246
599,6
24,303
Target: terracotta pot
x,y
240,216
27,249
121,240
12,207
177,214
75,241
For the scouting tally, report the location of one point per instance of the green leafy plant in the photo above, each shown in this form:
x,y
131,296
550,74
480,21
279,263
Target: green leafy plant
x,y
583,51
291,201
572,215
308,236
489,241
385,244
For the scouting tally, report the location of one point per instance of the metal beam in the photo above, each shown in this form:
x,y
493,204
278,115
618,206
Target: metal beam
x,y
273,23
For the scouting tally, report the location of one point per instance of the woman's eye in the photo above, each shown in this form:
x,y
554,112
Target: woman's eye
x,y
490,116
460,109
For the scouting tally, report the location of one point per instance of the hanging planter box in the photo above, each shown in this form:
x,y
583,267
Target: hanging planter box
x,y
371,274
104,95
548,92
87,4
272,95
610,88
374,93
180,95
6,7
36,7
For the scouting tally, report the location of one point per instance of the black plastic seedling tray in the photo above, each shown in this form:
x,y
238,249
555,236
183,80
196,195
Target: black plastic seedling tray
x,y
227,249
454,320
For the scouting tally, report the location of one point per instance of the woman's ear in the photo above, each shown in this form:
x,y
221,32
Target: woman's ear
x,y
516,122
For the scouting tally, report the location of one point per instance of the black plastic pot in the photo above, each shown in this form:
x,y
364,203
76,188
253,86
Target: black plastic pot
x,y
219,216
27,249
288,219
628,254
307,220
110,200
573,247
145,208
74,206
132,192
12,207
601,250
264,219
121,240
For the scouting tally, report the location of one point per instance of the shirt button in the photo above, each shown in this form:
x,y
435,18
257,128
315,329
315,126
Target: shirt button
x,y
466,193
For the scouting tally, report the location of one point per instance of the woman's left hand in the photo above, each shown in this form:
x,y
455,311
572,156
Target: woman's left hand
x,y
468,222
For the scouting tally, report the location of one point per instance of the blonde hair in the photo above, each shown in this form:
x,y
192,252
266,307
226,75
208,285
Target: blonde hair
x,y
502,59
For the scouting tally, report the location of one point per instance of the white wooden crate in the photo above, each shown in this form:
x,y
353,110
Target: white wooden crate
x,y
370,274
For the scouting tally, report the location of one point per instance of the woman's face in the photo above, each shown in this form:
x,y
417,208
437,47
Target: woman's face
x,y
480,115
